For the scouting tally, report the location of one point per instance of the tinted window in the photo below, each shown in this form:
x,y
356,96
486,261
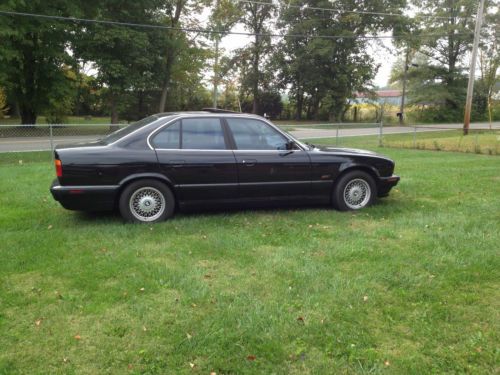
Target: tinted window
x,y
129,129
202,134
255,135
169,137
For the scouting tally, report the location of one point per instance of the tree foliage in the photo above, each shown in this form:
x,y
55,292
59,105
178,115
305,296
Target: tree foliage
x,y
34,54
314,67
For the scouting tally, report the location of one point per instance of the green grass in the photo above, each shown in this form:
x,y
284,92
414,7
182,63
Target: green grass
x,y
478,142
408,286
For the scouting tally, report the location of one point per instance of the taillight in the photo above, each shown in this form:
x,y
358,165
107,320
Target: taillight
x,y
58,164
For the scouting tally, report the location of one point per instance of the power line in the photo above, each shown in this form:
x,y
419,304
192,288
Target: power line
x,y
208,31
345,11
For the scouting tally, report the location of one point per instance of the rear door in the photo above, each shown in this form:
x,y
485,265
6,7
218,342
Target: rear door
x,y
266,168
194,154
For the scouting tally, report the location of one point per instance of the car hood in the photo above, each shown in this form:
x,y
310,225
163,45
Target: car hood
x,y
350,151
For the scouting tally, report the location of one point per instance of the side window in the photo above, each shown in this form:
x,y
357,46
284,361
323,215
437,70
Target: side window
x,y
168,138
203,134
252,134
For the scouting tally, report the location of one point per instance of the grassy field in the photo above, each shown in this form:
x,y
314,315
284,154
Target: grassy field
x,y
484,142
410,285
479,142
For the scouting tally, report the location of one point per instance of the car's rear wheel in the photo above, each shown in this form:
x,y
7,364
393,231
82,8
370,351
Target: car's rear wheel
x,y
354,191
146,201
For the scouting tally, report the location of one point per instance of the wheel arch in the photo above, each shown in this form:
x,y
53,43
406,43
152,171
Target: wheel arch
x,y
145,176
346,168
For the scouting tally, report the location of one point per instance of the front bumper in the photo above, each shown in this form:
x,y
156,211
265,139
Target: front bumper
x,y
85,198
385,185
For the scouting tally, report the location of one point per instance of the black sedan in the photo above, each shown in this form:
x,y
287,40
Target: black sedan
x,y
172,161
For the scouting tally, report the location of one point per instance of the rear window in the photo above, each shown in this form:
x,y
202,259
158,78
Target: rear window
x,y
113,137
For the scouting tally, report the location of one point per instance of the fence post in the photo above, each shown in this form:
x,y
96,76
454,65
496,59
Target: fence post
x,y
337,136
414,136
380,132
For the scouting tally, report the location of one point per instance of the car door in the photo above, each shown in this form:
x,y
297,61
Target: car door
x,y
267,169
193,154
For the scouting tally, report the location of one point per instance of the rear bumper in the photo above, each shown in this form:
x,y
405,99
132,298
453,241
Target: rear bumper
x,y
85,198
385,185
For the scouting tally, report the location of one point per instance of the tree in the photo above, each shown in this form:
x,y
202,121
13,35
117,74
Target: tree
x,y
123,56
256,18
489,60
318,63
446,28
224,15
33,54
174,40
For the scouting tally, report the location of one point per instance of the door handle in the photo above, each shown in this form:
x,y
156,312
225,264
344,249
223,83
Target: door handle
x,y
176,163
249,162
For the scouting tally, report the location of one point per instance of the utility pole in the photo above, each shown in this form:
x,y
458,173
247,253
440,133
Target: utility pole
x,y
216,62
405,75
216,71
472,71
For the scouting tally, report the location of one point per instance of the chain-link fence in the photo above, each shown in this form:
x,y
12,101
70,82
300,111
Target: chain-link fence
x,y
19,143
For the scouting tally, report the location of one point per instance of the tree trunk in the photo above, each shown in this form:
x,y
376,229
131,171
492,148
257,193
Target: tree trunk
x,y
300,105
114,113
255,83
28,115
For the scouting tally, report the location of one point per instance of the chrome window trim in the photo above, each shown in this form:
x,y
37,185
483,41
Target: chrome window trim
x,y
302,147
135,131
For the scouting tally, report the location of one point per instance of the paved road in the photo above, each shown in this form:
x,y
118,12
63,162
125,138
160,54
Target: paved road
x,y
329,133
43,143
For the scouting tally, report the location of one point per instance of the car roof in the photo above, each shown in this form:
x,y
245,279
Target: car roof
x,y
222,113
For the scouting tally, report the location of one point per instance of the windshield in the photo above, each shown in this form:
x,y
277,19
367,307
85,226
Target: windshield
x,y
113,137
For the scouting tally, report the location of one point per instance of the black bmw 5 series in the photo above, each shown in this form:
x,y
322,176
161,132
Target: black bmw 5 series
x,y
173,161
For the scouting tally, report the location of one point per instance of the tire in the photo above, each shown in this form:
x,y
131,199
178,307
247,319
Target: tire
x,y
146,201
353,191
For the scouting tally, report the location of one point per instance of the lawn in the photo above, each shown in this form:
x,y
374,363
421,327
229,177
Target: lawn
x,y
478,142
410,285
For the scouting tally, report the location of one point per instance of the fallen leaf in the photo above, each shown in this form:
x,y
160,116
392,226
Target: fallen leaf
x,y
193,305
65,360
365,298
78,337
144,328
20,162
130,366
387,363
49,227
251,358
38,322
300,319
213,373
188,336
142,289
191,365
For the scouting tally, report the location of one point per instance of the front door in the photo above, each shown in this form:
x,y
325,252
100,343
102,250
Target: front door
x,y
193,154
267,169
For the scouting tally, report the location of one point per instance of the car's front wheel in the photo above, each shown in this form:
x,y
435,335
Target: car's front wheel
x,y
354,191
146,201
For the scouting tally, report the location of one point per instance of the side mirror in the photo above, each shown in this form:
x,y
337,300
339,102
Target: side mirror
x,y
290,145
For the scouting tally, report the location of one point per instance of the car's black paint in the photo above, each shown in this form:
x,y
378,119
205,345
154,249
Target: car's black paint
x,y
95,173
